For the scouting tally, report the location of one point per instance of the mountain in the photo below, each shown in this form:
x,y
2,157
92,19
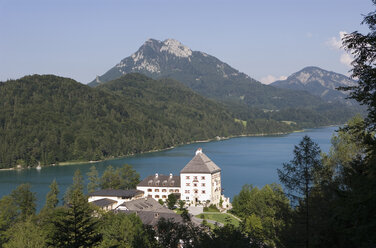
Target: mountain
x,y
49,119
206,75
318,82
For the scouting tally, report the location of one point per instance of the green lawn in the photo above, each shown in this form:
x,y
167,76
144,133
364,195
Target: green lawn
x,y
219,217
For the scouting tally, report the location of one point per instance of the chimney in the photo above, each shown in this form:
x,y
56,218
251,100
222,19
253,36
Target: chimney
x,y
199,150
156,175
170,175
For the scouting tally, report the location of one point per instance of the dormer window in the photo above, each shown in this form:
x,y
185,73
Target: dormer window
x,y
150,183
164,183
172,183
157,183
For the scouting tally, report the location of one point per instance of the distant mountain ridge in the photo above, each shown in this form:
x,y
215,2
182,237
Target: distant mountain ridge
x,y
318,82
205,74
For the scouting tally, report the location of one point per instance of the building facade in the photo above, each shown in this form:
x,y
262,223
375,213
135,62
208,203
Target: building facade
x,y
199,182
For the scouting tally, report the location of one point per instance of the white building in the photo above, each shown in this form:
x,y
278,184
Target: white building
x,y
109,199
199,182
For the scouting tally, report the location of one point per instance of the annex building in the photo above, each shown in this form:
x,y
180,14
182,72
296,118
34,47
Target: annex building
x,y
199,182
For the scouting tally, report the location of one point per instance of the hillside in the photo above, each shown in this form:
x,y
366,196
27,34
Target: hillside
x,y
318,82
49,119
206,75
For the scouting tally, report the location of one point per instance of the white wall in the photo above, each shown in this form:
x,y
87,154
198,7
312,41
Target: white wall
x,y
161,195
188,187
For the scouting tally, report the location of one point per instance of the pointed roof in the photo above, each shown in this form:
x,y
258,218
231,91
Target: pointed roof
x,y
201,164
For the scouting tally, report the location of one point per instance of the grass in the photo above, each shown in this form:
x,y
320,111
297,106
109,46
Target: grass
x,y
219,217
211,209
244,123
178,211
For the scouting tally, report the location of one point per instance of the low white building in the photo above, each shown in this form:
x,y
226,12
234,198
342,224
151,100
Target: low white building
x,y
199,182
109,199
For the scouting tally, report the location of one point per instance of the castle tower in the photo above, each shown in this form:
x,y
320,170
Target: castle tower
x,y
201,180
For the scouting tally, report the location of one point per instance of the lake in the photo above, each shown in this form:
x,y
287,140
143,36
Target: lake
x,y
243,160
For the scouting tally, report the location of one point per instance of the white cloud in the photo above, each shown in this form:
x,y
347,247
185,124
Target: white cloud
x,y
336,43
346,59
271,79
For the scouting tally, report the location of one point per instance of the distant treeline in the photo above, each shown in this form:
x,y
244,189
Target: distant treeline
x,y
49,119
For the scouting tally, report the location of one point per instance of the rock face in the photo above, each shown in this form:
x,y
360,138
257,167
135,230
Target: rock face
x,y
204,74
318,82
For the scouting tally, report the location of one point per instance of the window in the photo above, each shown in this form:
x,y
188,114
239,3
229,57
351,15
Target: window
x,y
187,191
164,183
150,190
203,192
172,183
176,191
164,190
187,177
203,184
196,191
187,184
163,196
187,198
195,177
171,190
156,190
156,196
195,184
203,177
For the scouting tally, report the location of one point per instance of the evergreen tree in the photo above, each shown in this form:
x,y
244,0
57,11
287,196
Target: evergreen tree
x,y
93,177
129,178
75,224
299,177
25,200
52,199
8,216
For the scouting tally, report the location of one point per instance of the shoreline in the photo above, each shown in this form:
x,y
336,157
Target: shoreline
x,y
217,138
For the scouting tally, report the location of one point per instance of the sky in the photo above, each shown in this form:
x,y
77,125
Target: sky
x,y
266,39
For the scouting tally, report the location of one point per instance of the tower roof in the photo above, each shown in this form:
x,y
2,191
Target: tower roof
x,y
201,164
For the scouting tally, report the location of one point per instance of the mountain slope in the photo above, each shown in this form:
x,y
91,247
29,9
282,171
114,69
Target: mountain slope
x,y
204,74
318,82
48,119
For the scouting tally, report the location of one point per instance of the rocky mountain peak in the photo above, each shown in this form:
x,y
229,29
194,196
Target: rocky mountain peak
x,y
176,48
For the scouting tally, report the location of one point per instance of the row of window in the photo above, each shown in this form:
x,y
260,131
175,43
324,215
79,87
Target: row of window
x,y
164,190
150,183
195,184
195,177
163,196
195,191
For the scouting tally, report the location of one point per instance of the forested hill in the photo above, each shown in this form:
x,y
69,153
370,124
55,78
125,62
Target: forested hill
x,y
48,119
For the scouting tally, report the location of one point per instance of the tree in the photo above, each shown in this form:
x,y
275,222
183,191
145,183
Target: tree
x,y
75,224
110,179
181,204
25,200
129,178
8,216
123,230
264,213
94,179
26,234
52,199
299,177
171,201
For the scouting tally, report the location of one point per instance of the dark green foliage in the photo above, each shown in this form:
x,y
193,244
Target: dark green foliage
x,y
74,225
264,212
50,119
123,230
26,234
171,201
93,178
52,197
8,216
299,177
124,177
25,200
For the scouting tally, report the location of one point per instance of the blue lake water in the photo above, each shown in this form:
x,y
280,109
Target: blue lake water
x,y
243,160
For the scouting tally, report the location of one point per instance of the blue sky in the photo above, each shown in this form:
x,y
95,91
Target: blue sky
x,y
266,39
